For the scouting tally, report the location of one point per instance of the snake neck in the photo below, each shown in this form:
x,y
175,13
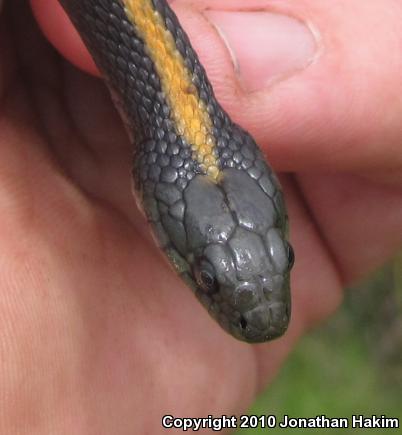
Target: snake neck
x,y
156,80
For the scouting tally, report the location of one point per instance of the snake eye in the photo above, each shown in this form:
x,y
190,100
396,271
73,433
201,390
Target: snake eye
x,y
205,276
291,256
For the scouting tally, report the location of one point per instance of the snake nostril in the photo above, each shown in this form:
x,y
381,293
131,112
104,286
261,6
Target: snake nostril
x,y
243,323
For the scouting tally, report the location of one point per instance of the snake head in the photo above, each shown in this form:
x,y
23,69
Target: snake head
x,y
240,259
227,238
245,284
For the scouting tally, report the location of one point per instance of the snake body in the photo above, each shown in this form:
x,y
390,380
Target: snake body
x,y
214,205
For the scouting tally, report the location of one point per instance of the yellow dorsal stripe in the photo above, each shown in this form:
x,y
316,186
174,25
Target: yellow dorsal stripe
x,y
189,111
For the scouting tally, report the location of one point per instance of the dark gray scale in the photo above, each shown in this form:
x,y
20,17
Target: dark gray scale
x,y
227,237
121,56
254,210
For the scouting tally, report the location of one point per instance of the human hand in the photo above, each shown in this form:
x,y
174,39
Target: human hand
x,y
98,333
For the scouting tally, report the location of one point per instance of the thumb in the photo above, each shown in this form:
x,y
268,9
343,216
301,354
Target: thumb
x,y
317,88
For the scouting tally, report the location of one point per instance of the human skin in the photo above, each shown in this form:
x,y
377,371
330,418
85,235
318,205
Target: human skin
x,y
97,333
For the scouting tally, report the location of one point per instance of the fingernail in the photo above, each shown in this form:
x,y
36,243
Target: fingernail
x,y
264,46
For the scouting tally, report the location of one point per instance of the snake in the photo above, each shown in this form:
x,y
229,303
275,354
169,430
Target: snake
x,y
214,205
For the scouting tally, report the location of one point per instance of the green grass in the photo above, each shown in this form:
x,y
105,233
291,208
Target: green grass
x,y
351,365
